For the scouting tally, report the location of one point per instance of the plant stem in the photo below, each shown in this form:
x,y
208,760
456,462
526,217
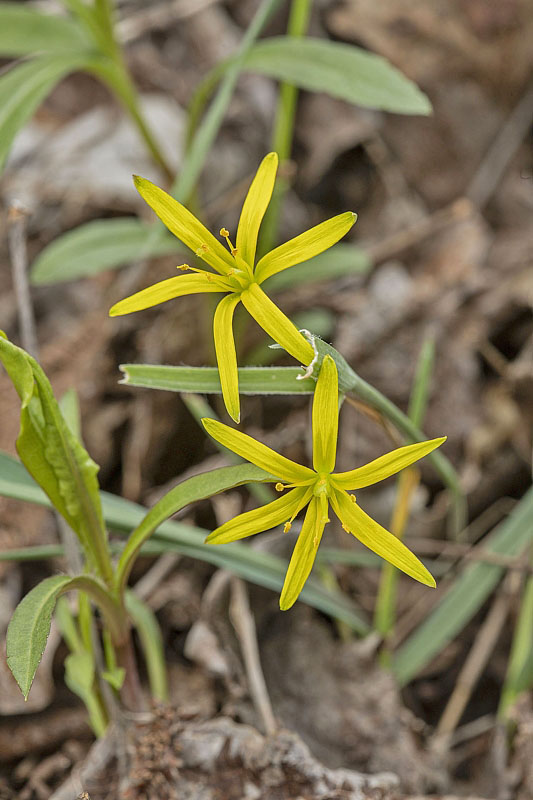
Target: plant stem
x,y
131,693
210,125
283,131
117,76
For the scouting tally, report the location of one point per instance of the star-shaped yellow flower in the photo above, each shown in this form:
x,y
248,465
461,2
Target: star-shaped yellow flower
x,y
235,272
318,488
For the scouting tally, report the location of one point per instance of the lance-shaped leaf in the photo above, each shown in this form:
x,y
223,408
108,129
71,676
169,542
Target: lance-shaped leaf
x,y
30,624
55,458
26,31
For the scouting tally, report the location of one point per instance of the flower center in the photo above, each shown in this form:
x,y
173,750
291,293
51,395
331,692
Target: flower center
x,y
242,275
321,486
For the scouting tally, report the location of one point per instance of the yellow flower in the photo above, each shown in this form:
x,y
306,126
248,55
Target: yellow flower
x,y
235,271
318,488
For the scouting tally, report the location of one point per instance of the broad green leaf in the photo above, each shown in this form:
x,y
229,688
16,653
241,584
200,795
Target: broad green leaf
x,y
26,31
151,643
30,624
264,569
205,380
197,488
24,87
55,458
339,261
341,70
466,595
97,246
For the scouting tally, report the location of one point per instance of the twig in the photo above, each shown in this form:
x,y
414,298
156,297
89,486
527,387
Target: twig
x,y
16,235
243,621
502,150
97,759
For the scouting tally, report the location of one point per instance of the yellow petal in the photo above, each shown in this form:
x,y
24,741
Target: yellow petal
x,y
305,246
276,324
226,355
167,290
258,520
185,226
387,465
376,538
303,555
254,207
326,417
257,453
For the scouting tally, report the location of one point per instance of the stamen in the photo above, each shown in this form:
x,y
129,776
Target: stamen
x,y
279,487
352,498
225,235
201,250
183,267
287,527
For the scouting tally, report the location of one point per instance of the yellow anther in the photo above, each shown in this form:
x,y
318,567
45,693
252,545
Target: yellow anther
x,y
352,498
183,267
279,487
225,234
209,277
287,527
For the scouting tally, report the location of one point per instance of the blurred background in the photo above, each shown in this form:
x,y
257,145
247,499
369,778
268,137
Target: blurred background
x,y
441,253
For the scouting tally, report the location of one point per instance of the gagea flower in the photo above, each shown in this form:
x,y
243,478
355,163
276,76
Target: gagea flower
x,y
318,488
235,271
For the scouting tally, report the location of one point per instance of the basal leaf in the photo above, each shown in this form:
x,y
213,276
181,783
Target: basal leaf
x,y
55,458
152,644
466,596
341,70
97,246
24,87
27,31
29,628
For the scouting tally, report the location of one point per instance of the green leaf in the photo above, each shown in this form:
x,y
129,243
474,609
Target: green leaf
x,y
26,31
29,628
151,643
466,595
341,70
55,458
30,624
97,246
258,567
339,261
197,488
24,87
205,380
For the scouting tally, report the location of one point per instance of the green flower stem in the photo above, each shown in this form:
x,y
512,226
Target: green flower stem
x,y
351,383
207,130
284,129
118,78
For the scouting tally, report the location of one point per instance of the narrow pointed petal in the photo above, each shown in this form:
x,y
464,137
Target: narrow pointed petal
x,y
376,538
326,417
254,207
167,290
303,555
184,225
259,520
257,453
226,355
276,324
387,465
305,246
